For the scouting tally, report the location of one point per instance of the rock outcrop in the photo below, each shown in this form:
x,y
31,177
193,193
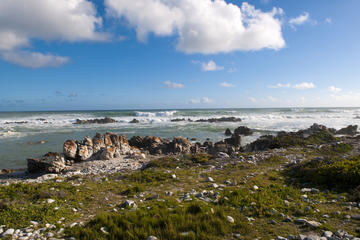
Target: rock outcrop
x,y
242,130
49,163
222,119
105,120
350,130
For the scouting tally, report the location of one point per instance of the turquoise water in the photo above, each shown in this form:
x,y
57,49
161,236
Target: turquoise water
x,y
56,127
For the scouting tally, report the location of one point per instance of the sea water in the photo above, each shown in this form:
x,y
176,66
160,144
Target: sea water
x,y
18,129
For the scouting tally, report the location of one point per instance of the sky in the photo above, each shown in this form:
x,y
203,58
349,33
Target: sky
x,y
156,54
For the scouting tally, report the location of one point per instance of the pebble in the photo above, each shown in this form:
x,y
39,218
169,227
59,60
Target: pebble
x,y
230,219
327,234
10,231
255,187
50,201
152,238
173,176
209,179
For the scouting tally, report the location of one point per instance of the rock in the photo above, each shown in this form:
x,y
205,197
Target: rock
x,y
173,176
209,179
50,201
104,230
313,224
228,132
134,121
152,238
128,203
242,130
327,234
105,120
178,120
50,163
235,141
70,149
180,145
85,149
350,130
9,232
255,187
37,143
98,142
222,119
222,155
355,216
230,219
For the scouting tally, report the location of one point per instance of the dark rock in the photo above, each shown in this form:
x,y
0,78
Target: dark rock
x,y
261,144
105,120
235,141
243,131
37,143
178,120
350,130
222,119
22,122
228,132
50,163
137,141
134,121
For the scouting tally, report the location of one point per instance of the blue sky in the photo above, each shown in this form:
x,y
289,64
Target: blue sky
x,y
114,54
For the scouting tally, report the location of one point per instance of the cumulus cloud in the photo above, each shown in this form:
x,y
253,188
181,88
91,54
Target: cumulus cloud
x,y
33,59
203,100
299,20
202,26
210,66
304,85
170,84
227,85
333,89
62,20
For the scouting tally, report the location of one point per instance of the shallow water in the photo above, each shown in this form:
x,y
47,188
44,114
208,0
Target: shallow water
x,y
56,127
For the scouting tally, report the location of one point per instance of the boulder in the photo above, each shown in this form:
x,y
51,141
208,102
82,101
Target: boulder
x,y
105,120
134,121
49,163
350,130
263,143
180,145
222,119
85,149
137,141
70,149
228,132
235,141
107,153
242,130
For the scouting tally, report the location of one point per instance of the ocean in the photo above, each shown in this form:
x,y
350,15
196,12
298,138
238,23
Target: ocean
x,y
19,129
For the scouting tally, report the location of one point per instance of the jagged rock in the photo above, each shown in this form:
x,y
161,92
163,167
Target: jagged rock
x,y
263,143
105,120
242,130
178,120
180,145
137,141
70,149
134,121
228,132
98,142
85,149
235,141
50,163
350,130
222,119
106,153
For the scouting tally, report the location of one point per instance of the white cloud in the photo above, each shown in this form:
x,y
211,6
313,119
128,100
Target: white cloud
x,y
280,85
334,89
227,85
61,20
301,19
210,66
203,100
252,99
202,26
33,59
328,20
304,85
170,84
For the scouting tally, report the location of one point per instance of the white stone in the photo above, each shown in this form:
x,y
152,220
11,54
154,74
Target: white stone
x,y
230,219
209,179
152,238
50,201
173,176
10,231
255,187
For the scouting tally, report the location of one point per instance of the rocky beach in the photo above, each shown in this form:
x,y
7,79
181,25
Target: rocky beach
x,y
289,185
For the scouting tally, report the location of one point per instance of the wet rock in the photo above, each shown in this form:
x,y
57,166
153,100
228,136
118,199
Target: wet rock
x,y
105,120
85,149
178,120
350,130
222,119
134,121
228,132
50,163
242,130
70,149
